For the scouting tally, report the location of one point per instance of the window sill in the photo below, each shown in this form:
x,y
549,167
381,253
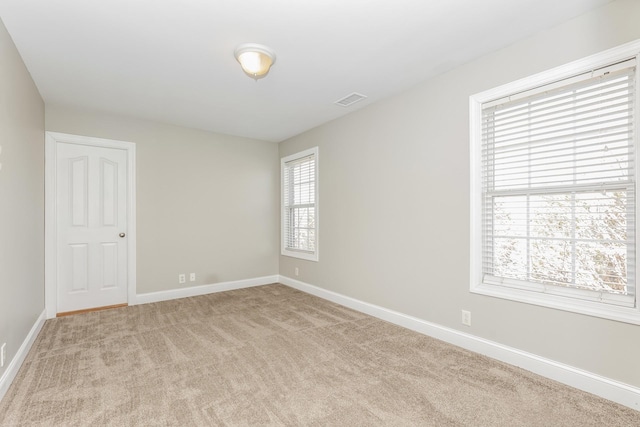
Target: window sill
x,y
590,308
309,256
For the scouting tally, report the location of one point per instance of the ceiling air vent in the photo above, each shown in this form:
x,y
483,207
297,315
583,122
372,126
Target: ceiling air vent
x,y
350,99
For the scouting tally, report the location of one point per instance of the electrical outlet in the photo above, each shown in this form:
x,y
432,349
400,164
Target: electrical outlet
x,y
3,354
297,271
182,278
192,277
466,317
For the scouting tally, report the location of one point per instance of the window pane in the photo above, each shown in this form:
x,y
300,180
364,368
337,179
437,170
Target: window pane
x,y
510,258
551,215
510,216
602,215
551,262
602,266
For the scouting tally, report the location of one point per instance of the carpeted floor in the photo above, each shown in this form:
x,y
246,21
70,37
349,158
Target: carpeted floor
x,y
272,355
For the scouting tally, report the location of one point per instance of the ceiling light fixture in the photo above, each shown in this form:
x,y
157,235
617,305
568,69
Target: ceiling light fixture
x,y
255,59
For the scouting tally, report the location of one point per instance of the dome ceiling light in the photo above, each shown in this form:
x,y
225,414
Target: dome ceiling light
x,y
255,59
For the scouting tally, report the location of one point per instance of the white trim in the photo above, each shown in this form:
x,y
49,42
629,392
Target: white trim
x,y
566,302
592,62
50,259
51,140
604,387
202,290
17,361
310,256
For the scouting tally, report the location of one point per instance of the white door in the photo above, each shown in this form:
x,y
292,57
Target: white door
x,y
91,212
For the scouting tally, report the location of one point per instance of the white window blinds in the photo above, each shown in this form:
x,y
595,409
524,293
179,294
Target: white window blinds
x,y
299,199
558,187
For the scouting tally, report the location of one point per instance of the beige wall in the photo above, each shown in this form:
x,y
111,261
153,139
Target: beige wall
x,y
394,204
21,199
204,200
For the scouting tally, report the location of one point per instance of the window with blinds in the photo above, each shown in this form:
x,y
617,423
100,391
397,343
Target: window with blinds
x,y
557,196
299,205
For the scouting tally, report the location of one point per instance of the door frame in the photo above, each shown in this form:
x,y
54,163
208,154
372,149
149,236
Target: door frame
x,y
52,139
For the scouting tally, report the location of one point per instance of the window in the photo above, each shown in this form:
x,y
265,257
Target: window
x,y
299,173
553,183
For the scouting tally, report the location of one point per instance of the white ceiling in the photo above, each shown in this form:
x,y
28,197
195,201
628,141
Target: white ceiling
x,y
172,60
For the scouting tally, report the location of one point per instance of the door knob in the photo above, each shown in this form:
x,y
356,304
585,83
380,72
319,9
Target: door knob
x,y
121,234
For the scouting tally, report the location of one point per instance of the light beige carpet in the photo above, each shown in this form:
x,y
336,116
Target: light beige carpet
x,y
272,355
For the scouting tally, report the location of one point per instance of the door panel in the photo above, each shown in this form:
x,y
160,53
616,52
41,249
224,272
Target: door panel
x,y
109,209
109,262
79,265
78,185
91,204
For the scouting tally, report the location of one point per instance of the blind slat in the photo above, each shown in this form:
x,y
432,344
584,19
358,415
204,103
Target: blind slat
x,y
615,101
613,120
600,135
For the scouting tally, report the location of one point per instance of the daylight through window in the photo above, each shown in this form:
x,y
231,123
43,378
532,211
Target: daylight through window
x,y
299,213
557,185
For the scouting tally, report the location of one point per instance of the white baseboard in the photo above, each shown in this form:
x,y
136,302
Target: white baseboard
x,y
203,290
592,383
13,368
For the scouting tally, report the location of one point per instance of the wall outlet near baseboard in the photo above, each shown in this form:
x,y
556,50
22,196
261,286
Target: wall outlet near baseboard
x,y
182,278
466,317
297,271
192,277
3,354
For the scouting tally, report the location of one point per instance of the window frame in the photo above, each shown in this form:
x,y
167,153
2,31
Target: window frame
x,y
306,255
560,298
